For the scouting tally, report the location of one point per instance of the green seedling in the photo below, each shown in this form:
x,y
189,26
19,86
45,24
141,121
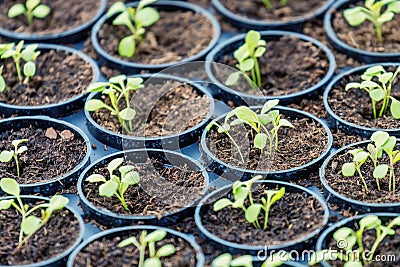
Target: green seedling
x,y
373,11
30,223
3,85
116,185
32,9
8,155
380,90
147,241
268,4
136,20
354,253
247,57
241,192
226,260
117,89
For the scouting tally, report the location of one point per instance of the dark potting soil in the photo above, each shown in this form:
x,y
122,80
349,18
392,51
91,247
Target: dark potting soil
x,y
59,76
256,10
291,218
46,159
355,105
53,239
162,190
162,109
296,147
105,252
290,65
188,34
364,37
342,139
313,106
64,16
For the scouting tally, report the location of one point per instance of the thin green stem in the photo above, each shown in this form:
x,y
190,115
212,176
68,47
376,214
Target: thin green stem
x,y
15,156
362,178
18,68
258,74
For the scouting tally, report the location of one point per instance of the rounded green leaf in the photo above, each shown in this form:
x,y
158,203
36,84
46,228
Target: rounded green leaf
x,y
41,11
385,17
269,105
374,70
152,262
117,7
260,51
22,149
6,204
114,164
252,38
95,104
127,114
394,7
389,145
16,10
252,212
29,69
221,204
381,171
285,123
232,78
57,202
166,251
125,169
127,242
369,84
117,79
260,140
369,222
224,128
377,94
379,138
3,85
30,225
245,260
147,16
96,178
395,108
155,236
131,178
127,47
222,260
6,156
348,169
108,189
97,87
247,65
360,157
10,186
354,16
385,77
31,4
123,19
342,233
352,85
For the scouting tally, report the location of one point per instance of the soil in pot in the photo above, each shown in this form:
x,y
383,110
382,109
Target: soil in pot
x,y
355,105
58,235
188,34
51,154
64,16
59,76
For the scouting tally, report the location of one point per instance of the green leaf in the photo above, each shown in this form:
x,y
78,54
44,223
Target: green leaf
x,y
377,94
125,169
278,195
6,204
264,119
16,10
108,189
57,202
342,233
245,260
127,47
348,169
127,114
29,69
396,158
369,222
369,84
394,7
155,236
385,77
389,145
41,11
385,17
97,87
252,38
369,3
152,262
260,140
131,178
381,171
379,138
134,82
22,149
114,164
360,157
119,79
246,114
9,53
10,186
221,204
6,156
241,53
374,70
95,104
232,78
352,86
252,212
355,151
354,16
123,19
269,105
240,194
96,178
166,251
31,4
246,65
395,108
3,85
222,260
127,242
260,51
285,123
30,225
147,16
396,221
224,128
144,3
17,142
117,7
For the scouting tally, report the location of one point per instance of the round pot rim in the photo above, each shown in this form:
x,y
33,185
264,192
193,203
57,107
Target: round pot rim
x,y
204,147
115,215
340,76
177,4
83,162
332,35
270,23
343,197
196,247
239,38
226,243
194,84
49,47
66,252
43,37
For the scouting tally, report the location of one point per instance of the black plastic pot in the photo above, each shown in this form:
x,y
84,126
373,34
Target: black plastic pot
x,y
59,260
236,173
346,202
360,55
348,127
255,24
67,37
224,93
60,109
50,188
135,68
121,230
171,142
139,156
231,247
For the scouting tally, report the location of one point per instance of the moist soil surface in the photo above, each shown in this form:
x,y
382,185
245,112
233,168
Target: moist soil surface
x,y
162,108
291,218
188,34
296,147
64,16
46,159
355,105
59,76
105,252
256,10
162,189
353,188
53,239
290,65
364,37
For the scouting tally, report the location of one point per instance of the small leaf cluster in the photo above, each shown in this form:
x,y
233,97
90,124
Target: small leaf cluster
x,y
355,255
30,223
268,5
242,192
8,155
378,84
226,260
382,142
147,241
116,185
375,12
32,9
117,89
136,20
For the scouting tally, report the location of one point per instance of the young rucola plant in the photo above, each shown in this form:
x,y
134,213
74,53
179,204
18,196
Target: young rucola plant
x,y
242,192
268,4
378,84
116,185
30,223
373,11
226,260
117,89
382,142
354,251
136,20
247,57
8,155
148,241
32,9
